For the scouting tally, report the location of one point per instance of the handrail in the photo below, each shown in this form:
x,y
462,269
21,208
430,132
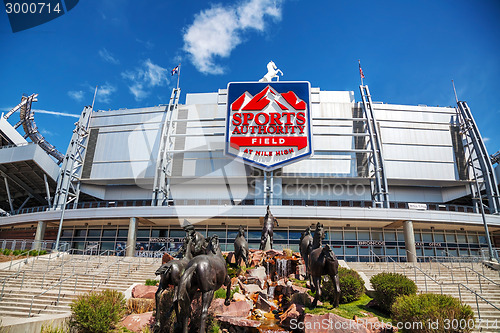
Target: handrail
x,y
76,280
479,275
446,283
247,202
477,295
4,281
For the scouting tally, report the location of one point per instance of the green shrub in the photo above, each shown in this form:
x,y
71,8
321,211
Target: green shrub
x,y
433,313
33,253
7,252
97,312
16,252
388,286
352,286
42,252
151,282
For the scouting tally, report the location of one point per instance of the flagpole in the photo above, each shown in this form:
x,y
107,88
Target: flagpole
x,y
178,76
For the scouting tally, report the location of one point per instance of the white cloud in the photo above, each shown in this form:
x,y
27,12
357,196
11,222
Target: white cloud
x,y
216,31
149,75
486,140
77,95
108,57
104,92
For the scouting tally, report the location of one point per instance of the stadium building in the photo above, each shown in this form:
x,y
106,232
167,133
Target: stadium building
x,y
384,179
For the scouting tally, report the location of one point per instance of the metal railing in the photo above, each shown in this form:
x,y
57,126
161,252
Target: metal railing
x,y
440,284
244,202
96,275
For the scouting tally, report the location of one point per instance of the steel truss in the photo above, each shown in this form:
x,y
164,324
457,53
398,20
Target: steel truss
x,y
378,179
68,183
27,119
163,171
478,162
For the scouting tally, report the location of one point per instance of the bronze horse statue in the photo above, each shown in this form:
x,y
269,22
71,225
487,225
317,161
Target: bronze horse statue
x,y
171,272
205,273
309,243
241,251
267,230
306,239
322,261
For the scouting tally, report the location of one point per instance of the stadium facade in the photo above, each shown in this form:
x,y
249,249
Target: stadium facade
x,y
382,178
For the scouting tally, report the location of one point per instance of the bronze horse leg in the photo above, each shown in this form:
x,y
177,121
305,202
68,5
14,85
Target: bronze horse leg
x,y
206,299
317,287
336,282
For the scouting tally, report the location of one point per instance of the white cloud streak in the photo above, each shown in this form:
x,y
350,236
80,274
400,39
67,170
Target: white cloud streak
x,y
216,31
149,75
77,95
64,114
108,57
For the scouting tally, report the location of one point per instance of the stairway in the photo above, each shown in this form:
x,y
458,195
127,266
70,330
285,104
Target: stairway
x,y
37,285
450,279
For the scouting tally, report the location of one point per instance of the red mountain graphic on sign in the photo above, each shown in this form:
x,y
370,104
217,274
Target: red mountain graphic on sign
x,y
285,101
269,127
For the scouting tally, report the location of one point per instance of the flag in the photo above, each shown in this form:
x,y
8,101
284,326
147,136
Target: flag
x,y
361,71
175,70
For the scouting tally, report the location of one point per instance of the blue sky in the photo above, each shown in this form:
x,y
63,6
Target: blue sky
x,y
409,50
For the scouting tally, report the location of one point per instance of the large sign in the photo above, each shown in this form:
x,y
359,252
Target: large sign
x,y
269,123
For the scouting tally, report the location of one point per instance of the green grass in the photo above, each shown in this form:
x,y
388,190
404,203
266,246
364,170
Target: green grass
x,y
349,310
221,292
300,283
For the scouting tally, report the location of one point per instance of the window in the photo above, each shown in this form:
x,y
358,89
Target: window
x,y
450,238
427,237
108,233
94,233
363,235
177,233
390,236
81,233
144,233
439,237
461,238
350,235
336,234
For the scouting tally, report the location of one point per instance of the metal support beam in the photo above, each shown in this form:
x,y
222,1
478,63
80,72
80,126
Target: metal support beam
x,y
23,185
25,201
47,189
380,189
8,194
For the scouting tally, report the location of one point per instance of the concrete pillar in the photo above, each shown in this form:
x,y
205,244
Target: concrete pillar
x,y
132,237
40,232
411,250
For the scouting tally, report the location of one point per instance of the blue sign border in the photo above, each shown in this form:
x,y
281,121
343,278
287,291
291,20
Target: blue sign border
x,y
303,91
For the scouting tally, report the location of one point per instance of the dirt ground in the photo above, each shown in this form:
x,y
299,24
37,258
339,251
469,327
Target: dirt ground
x,y
4,258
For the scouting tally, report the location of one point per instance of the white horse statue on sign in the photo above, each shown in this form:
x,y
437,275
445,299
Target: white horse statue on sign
x,y
272,72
